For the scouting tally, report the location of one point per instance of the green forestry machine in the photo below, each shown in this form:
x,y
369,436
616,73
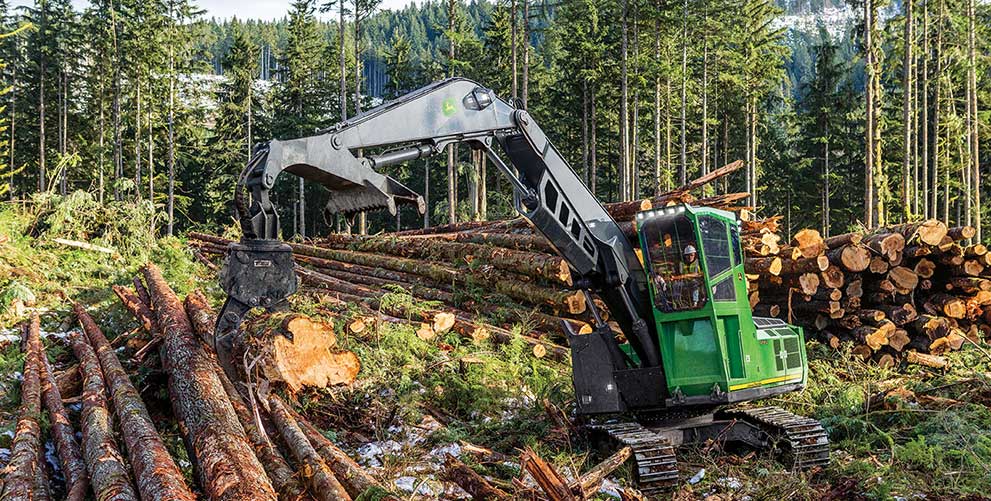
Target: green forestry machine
x,y
689,348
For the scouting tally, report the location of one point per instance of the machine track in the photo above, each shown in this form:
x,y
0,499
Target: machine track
x,y
802,441
657,465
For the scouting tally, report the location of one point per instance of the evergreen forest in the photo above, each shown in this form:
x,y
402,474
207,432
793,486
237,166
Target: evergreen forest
x,y
846,114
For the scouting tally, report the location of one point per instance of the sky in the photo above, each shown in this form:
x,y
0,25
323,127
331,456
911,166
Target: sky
x,y
243,9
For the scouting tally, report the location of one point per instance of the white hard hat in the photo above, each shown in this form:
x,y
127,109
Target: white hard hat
x,y
690,250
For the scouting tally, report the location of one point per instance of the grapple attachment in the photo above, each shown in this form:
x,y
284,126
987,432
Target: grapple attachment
x,y
256,273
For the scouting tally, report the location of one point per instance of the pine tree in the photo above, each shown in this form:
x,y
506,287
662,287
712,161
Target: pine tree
x,y
298,96
232,135
400,68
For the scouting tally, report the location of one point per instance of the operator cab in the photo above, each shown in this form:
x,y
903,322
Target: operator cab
x,y
714,351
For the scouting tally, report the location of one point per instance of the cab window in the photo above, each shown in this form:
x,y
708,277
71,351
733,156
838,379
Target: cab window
x,y
716,243
674,263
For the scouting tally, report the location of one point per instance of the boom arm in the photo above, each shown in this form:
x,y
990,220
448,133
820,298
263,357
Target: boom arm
x,y
548,192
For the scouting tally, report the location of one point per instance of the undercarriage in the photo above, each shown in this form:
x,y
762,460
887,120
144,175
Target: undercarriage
x,y
798,442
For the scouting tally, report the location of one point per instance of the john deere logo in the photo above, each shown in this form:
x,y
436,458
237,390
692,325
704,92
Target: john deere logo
x,y
449,107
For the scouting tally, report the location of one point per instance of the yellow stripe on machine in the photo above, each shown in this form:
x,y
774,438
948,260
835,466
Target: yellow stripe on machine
x,y
762,382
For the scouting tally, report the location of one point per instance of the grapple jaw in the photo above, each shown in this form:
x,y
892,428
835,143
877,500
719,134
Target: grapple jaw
x,y
256,273
388,194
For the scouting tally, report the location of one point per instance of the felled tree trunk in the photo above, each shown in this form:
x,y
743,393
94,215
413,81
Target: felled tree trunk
x,y
549,480
853,258
106,467
323,484
137,307
459,473
809,242
284,480
156,475
227,466
535,264
523,242
25,465
354,479
464,324
64,437
929,232
588,484
300,351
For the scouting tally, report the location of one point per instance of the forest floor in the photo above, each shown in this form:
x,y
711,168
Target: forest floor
x,y
903,433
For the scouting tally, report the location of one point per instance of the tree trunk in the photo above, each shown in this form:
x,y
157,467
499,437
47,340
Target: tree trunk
x,y
342,68
549,480
907,114
657,106
115,112
546,266
624,103
474,484
171,143
634,126
975,156
11,150
683,165
705,90
323,484
227,465
284,480
869,215
100,185
355,480
62,434
156,474
937,94
924,121
106,467
26,462
42,174
525,90
514,15
137,139
594,146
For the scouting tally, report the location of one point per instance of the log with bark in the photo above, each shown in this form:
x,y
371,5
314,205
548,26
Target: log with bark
x,y
284,480
155,473
60,428
474,484
321,480
549,480
104,462
26,465
225,462
534,264
354,479
465,324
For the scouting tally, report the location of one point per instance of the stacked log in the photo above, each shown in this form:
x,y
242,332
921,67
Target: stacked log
x,y
155,472
895,292
106,466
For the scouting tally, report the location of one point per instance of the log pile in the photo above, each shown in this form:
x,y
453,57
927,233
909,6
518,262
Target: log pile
x,y
903,292
237,450
243,440
906,288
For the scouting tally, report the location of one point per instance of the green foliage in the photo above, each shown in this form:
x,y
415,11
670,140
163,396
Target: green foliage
x,y
125,227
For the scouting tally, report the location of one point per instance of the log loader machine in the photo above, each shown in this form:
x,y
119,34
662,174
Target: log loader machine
x,y
690,347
